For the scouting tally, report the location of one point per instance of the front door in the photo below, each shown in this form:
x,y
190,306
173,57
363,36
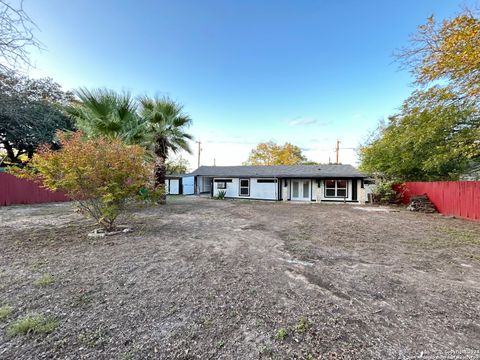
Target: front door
x,y
300,190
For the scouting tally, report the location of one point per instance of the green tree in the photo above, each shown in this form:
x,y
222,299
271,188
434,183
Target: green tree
x,y
104,112
449,51
177,166
166,124
270,153
30,114
428,140
436,134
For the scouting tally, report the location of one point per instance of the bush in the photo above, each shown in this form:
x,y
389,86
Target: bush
x,y
100,174
384,193
221,194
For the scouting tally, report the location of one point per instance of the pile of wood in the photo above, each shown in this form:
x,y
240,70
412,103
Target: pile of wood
x,y
421,203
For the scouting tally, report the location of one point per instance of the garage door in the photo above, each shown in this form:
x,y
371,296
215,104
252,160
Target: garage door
x,y
188,184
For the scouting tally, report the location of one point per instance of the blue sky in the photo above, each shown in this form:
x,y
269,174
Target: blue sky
x,y
307,72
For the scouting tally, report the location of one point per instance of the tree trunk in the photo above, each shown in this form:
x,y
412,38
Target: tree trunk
x,y
161,152
10,152
160,171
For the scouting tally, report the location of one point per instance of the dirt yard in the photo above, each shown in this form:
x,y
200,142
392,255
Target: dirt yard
x,y
209,279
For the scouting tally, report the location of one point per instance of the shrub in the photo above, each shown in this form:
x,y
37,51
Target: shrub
x,y
384,193
35,324
100,174
221,194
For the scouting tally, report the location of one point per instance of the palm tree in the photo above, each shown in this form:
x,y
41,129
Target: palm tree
x,y
103,112
166,124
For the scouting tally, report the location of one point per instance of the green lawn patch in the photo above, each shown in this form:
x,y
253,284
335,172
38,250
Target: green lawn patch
x,y
34,324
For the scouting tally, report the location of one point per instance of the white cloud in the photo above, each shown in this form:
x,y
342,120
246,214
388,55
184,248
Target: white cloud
x,y
358,116
302,121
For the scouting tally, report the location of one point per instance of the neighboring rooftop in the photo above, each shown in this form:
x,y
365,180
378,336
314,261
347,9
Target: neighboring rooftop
x,y
298,171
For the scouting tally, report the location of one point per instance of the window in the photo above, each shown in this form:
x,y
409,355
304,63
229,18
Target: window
x,y
260,181
336,188
244,187
222,183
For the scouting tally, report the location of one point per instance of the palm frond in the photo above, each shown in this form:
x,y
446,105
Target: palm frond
x,y
167,122
110,114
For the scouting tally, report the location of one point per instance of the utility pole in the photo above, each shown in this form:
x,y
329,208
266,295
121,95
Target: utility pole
x,y
199,151
337,150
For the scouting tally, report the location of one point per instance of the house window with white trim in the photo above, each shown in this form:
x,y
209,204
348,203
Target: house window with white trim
x,y
244,187
222,183
336,188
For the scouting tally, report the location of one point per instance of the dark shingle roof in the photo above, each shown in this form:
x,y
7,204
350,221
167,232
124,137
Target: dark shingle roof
x,y
298,171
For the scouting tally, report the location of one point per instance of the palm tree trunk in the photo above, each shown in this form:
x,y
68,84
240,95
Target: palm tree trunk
x,y
160,171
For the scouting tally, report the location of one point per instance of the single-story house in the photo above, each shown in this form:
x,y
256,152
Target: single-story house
x,y
319,183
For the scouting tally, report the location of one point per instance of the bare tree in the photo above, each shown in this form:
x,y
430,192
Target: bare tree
x,y
16,36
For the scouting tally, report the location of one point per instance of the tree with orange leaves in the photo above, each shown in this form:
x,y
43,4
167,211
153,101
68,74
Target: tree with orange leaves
x,y
270,153
446,51
100,174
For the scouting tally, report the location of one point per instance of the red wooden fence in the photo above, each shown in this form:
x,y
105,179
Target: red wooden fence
x,y
458,198
20,191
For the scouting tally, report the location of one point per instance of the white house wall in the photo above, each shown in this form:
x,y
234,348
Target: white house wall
x,y
231,190
318,192
349,192
199,188
267,191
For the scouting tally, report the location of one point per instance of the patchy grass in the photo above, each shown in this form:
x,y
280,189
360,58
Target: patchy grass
x,y
201,278
281,334
81,299
92,337
34,324
36,265
302,326
462,236
5,312
45,280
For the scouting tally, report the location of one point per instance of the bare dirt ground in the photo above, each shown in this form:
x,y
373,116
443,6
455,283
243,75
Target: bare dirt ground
x,y
207,279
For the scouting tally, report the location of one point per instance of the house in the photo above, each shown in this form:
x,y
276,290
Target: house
x,y
318,183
